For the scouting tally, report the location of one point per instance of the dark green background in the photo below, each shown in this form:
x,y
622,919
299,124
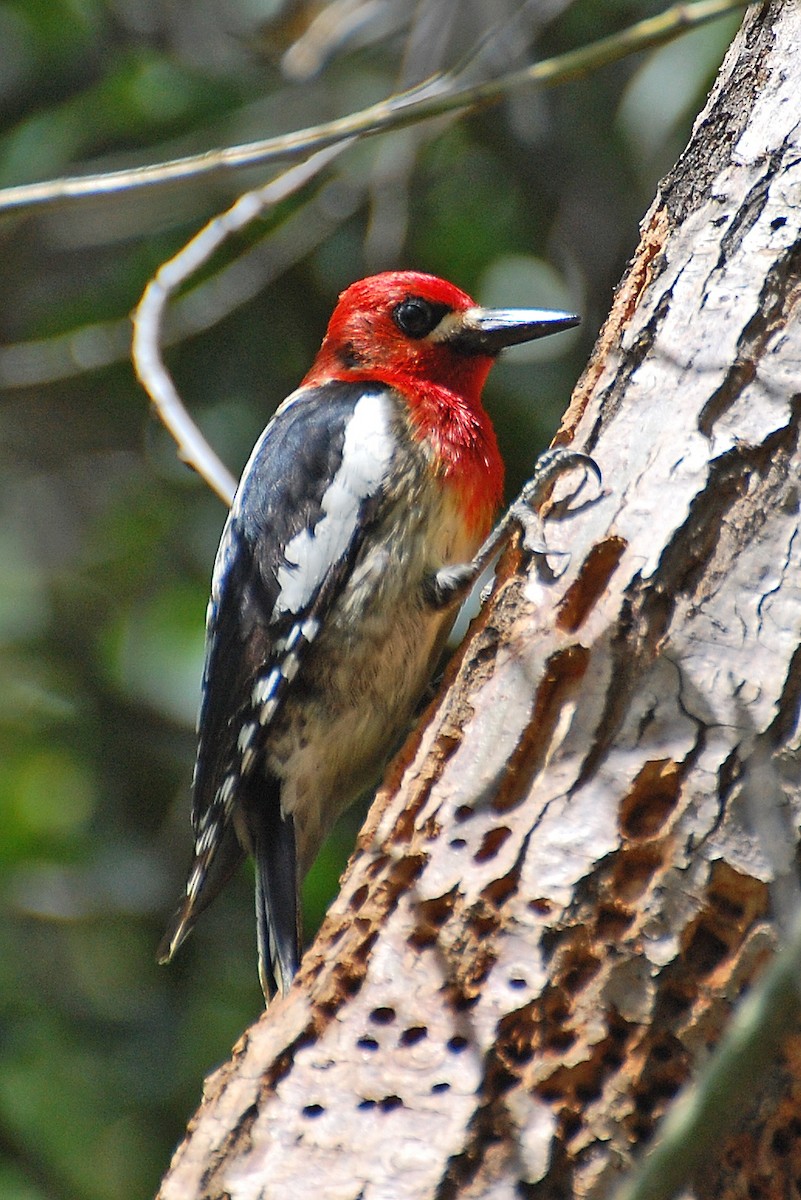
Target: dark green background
x,y
106,542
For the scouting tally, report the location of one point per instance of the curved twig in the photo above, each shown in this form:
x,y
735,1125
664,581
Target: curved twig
x,y
433,99
193,448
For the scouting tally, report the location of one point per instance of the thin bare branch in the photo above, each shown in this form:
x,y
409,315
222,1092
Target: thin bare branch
x,y
102,343
433,99
193,448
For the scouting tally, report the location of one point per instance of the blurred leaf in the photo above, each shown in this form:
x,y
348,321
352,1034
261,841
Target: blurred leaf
x,y
52,796
157,653
667,86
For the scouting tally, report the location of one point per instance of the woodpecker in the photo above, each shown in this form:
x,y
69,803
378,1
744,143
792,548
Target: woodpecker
x,y
361,521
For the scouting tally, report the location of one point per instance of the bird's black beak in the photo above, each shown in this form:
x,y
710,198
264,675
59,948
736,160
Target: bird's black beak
x,y
490,330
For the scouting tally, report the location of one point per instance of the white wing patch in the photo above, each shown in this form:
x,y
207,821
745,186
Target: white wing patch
x,y
366,456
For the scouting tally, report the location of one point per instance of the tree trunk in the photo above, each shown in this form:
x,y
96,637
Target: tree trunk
x,y
584,855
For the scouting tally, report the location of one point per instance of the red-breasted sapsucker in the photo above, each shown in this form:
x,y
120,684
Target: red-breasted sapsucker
x,y
360,523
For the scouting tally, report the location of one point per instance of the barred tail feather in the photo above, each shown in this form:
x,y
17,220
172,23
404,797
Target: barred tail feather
x,y
213,865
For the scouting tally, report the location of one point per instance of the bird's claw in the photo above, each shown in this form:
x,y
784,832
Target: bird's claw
x,y
550,466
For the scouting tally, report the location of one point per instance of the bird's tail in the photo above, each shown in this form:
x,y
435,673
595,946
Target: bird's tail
x,y
277,906
212,867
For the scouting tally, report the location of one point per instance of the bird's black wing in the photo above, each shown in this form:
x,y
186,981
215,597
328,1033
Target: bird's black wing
x,y
309,493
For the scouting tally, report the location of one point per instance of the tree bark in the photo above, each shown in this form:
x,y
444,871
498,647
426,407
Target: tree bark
x,y
585,854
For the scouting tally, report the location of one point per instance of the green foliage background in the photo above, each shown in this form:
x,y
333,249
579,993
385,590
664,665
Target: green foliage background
x,y
106,542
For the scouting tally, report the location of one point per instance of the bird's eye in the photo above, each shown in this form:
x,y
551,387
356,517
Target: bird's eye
x,y
417,317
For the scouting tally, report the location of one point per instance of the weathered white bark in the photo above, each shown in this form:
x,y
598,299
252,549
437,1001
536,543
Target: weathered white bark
x,y
581,860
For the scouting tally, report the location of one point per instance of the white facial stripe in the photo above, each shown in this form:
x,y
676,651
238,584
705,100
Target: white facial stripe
x,y
450,324
366,455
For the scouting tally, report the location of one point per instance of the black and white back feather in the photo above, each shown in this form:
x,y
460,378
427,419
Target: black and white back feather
x,y
310,492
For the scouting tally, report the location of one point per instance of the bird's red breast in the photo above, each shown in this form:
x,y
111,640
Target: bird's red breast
x,y
440,384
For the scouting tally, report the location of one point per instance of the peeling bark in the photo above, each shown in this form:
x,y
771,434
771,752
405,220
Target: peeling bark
x,y
584,856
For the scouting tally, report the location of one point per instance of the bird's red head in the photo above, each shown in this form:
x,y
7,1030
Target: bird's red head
x,y
408,325
431,342
390,327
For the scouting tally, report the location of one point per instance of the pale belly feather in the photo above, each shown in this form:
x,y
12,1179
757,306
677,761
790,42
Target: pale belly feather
x,y
368,670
